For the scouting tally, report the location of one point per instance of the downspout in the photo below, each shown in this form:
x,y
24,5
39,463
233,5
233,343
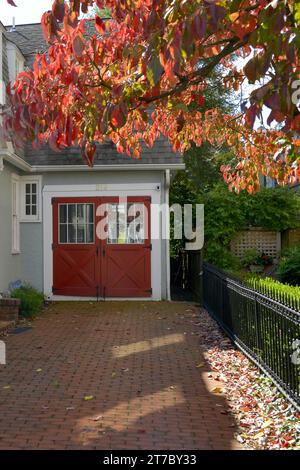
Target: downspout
x,y
167,231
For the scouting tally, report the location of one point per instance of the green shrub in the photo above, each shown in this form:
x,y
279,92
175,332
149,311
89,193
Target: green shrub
x,y
288,295
227,213
289,267
31,300
220,256
272,208
251,256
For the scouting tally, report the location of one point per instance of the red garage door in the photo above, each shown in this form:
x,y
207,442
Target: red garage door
x,y
87,263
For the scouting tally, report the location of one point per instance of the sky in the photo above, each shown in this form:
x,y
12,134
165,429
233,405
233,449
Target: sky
x,y
27,11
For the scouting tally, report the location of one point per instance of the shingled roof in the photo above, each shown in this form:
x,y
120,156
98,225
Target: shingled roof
x,y
30,40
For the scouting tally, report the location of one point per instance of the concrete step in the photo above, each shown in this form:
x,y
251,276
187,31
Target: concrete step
x,y
9,309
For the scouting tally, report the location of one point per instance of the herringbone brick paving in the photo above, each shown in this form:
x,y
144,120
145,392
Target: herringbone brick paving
x,y
111,375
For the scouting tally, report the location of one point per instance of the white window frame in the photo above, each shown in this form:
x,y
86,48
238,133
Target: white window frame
x,y
31,180
15,214
122,190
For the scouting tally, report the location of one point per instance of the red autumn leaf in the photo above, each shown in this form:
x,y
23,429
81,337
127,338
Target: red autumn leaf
x,y
100,4
199,26
100,25
250,116
295,125
180,122
78,45
89,152
118,117
58,9
201,100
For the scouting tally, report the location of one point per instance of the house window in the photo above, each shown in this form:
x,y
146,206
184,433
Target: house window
x,y
76,223
126,223
15,215
30,199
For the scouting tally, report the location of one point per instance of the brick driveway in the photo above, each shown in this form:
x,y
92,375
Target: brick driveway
x,y
136,359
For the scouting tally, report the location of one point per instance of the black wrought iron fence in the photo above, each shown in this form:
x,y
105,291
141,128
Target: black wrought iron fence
x,y
267,331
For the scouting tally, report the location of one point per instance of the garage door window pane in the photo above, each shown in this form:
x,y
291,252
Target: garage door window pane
x,y
126,223
76,223
81,229
63,233
63,213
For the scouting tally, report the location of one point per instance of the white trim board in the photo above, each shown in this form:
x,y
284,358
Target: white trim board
x,y
59,298
15,160
121,190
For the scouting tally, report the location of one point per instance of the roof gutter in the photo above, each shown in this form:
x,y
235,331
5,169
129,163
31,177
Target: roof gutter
x,y
15,160
18,162
124,167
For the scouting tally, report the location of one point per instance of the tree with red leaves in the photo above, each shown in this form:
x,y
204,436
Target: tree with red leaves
x,y
143,72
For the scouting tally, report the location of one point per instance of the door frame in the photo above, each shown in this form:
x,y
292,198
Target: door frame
x,y
152,190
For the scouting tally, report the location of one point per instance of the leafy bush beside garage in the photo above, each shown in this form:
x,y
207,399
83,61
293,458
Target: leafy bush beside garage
x,y
32,300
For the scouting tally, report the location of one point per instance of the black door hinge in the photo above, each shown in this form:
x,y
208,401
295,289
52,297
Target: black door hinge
x,y
149,291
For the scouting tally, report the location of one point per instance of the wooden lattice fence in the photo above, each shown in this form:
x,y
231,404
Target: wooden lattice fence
x,y
265,241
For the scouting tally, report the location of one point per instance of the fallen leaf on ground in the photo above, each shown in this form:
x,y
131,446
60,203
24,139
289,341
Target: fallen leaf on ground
x,y
96,418
267,424
252,399
217,390
88,397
